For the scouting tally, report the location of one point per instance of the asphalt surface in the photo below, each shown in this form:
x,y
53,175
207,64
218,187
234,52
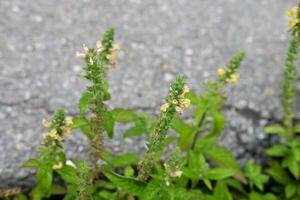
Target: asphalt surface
x,y
159,39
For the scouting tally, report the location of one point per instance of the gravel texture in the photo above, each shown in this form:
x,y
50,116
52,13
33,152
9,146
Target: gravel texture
x,y
160,39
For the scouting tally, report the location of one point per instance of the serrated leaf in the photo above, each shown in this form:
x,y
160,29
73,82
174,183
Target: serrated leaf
x,y
130,185
276,129
124,115
84,102
79,122
68,174
278,173
186,132
31,163
221,191
44,182
218,122
137,130
219,173
290,161
125,160
290,190
109,123
253,172
277,150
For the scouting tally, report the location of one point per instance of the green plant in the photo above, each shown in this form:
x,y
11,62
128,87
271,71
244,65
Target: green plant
x,y
197,168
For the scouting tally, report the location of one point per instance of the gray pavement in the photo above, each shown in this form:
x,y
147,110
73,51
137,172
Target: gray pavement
x,y
159,39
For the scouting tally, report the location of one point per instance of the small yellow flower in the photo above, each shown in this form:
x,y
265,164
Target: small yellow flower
x,y
99,46
221,72
292,23
57,166
164,107
186,89
46,123
91,61
80,55
293,12
85,49
175,102
53,134
234,78
186,103
179,110
177,173
69,121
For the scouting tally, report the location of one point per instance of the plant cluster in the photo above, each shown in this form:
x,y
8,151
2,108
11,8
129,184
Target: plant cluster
x,y
196,169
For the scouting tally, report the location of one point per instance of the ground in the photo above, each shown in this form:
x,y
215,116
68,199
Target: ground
x,y
159,39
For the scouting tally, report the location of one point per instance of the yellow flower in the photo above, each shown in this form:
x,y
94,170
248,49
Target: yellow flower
x,y
234,78
99,46
186,89
175,102
69,121
186,103
164,107
46,123
112,57
293,12
53,134
221,72
57,166
179,110
292,23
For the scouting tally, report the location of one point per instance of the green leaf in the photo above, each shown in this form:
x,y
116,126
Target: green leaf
x,y
219,173
278,173
277,150
57,190
257,196
290,190
109,123
297,128
253,172
130,185
187,132
197,166
221,191
137,130
84,102
79,122
290,161
31,163
44,181
125,160
71,193
276,129
22,197
218,122
124,115
68,174
233,183
207,183
222,157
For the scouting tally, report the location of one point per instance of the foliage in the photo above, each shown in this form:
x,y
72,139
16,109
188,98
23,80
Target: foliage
x,y
197,168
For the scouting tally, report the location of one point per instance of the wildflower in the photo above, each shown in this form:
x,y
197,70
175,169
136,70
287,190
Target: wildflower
x,y
221,72
80,55
186,89
186,103
85,49
57,166
112,57
53,134
175,102
91,61
234,78
177,173
46,123
179,110
293,12
292,23
69,121
66,131
164,107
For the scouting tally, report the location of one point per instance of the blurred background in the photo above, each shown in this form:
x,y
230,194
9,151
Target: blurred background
x,y
159,40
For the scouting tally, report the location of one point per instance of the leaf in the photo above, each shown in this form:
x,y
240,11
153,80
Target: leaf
x,y
197,166
218,122
79,122
44,181
222,157
123,115
277,150
84,102
297,128
137,130
233,183
57,190
219,173
257,196
130,185
31,163
253,172
71,193
207,183
68,174
221,191
22,197
290,161
276,129
109,123
186,132
125,160
278,173
290,190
